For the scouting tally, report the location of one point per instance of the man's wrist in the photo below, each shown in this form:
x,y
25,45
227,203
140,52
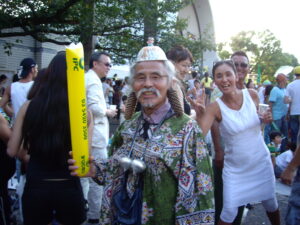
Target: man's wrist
x,y
291,167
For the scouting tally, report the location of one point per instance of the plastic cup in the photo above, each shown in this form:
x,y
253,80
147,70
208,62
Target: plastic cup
x,y
263,108
113,107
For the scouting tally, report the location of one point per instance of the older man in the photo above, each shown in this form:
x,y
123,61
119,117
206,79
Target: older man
x,y
279,108
159,170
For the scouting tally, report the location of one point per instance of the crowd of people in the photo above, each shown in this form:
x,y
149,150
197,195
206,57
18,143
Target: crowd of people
x,y
156,168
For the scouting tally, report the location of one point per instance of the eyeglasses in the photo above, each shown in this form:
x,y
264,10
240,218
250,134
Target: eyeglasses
x,y
153,78
106,64
242,65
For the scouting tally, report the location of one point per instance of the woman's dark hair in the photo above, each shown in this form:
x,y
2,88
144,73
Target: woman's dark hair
x,y
179,53
206,75
37,84
197,81
268,90
124,98
15,78
3,77
46,127
219,63
248,83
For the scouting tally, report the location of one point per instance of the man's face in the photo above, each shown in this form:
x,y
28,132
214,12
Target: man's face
x,y
282,83
150,83
34,71
102,66
242,66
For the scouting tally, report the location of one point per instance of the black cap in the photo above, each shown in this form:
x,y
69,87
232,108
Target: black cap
x,y
26,65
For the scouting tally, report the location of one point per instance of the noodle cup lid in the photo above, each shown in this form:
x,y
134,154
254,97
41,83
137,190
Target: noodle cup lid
x,y
151,53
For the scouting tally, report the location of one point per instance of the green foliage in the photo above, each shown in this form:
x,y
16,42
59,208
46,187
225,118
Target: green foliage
x,y
223,53
121,26
197,45
263,49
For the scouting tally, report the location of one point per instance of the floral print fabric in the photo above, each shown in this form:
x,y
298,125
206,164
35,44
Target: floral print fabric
x,y
177,185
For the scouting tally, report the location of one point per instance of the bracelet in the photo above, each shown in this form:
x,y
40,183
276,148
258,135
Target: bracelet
x,y
98,176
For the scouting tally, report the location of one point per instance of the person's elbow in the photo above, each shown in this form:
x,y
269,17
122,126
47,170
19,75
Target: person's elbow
x,y
11,150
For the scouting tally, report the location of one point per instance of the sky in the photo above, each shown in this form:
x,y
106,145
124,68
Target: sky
x,y
280,17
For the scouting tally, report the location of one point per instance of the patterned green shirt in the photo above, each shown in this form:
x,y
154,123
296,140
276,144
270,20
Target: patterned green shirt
x,y
177,185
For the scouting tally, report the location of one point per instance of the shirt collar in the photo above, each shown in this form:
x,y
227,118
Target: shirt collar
x,y
158,115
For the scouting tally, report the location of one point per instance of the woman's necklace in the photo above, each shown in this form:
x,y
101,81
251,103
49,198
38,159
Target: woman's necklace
x,y
234,102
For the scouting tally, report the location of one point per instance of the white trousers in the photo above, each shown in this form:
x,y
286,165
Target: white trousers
x,y
93,192
229,214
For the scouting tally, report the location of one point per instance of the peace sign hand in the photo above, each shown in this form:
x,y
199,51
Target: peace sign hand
x,y
198,104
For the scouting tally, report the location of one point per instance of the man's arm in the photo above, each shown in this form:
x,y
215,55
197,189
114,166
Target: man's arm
x,y
14,144
219,151
272,98
96,102
8,110
5,131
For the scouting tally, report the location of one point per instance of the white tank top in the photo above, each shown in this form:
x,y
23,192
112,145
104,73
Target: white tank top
x,y
18,94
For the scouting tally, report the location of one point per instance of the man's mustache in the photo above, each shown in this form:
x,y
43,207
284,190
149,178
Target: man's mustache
x,y
154,90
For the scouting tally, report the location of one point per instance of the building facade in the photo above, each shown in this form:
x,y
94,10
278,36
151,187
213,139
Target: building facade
x,y
24,47
200,24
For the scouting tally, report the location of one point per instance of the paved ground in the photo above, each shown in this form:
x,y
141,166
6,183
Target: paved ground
x,y
257,215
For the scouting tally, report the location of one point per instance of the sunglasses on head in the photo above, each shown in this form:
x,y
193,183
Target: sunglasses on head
x,y
242,65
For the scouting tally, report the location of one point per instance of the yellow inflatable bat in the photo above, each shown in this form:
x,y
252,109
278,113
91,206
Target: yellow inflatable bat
x,y
77,107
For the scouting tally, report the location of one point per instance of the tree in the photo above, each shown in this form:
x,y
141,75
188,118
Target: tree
x,y
120,26
263,49
197,45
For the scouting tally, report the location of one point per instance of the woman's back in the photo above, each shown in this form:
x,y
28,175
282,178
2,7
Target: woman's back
x,y
46,144
46,127
50,191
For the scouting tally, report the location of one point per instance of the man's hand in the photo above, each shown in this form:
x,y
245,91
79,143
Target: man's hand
x,y
287,176
266,117
111,112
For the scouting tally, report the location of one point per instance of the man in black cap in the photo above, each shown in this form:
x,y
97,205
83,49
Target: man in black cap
x,y
17,91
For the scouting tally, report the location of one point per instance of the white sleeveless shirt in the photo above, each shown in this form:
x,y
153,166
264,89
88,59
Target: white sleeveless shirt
x,y
18,93
248,174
